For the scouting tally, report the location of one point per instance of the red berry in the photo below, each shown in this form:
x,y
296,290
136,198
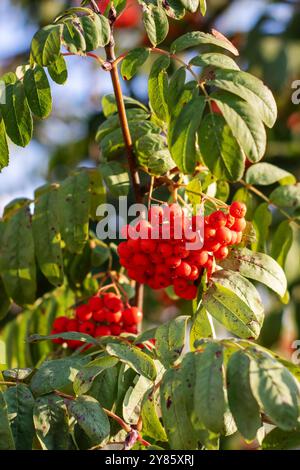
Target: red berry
x,y
184,270
102,330
180,285
132,315
72,325
60,324
95,303
217,219
223,235
200,258
100,316
130,329
87,327
222,252
180,251
115,329
239,225
211,245
113,317
194,273
83,312
112,302
173,261
165,249
230,221
148,246
209,232
134,245
190,293
238,209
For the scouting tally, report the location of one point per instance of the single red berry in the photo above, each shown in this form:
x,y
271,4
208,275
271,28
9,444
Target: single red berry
x,y
173,261
222,252
132,316
161,281
183,270
180,251
95,303
72,325
113,317
190,293
112,302
239,225
115,329
200,258
130,329
134,245
165,249
238,209
126,262
100,315
180,285
102,330
60,324
83,312
217,219
148,246
87,327
223,235
209,232
194,273
211,245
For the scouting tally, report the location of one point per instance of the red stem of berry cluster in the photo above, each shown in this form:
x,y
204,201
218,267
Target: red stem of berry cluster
x,y
114,73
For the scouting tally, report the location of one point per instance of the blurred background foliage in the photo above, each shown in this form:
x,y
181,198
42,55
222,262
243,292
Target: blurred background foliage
x,y
268,36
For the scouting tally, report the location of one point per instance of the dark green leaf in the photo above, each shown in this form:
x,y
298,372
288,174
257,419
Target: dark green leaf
x,y
219,149
16,115
261,221
116,178
38,92
6,437
113,121
4,152
109,104
20,404
45,46
152,153
183,133
158,87
170,340
97,191
242,403
287,196
90,32
197,38
85,377
281,440
47,237
51,422
5,301
103,28
282,242
138,360
73,37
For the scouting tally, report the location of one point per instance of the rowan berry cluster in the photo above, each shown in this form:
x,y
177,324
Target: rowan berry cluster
x,y
160,262
103,315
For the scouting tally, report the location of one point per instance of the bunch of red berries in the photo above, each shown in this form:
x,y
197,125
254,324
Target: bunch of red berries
x,y
160,262
103,315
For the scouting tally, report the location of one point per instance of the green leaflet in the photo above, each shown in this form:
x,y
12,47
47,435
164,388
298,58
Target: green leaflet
x,y
170,340
45,46
113,121
74,207
58,70
282,242
152,153
249,88
57,374
242,120
97,191
190,5
38,93
152,426
73,38
275,389
103,28
287,196
265,174
158,87
183,133
116,178
16,115
219,149
209,398
4,152
201,327
134,59
51,422
134,398
175,90
175,9
242,403
214,59
91,418
47,237
257,266
134,357
18,258
156,23
197,38
6,437
85,377
5,301
281,440
20,402
235,303
90,32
